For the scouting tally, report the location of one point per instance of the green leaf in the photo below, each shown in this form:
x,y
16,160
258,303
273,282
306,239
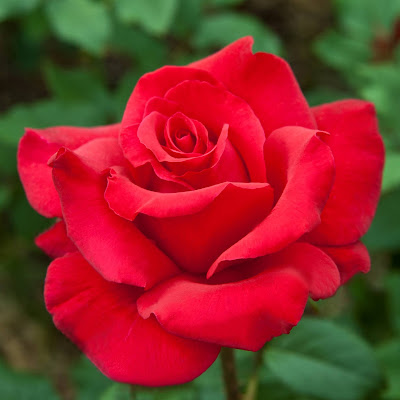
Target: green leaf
x,y
381,85
392,284
384,233
341,52
10,8
149,52
209,385
391,173
187,18
389,355
72,85
321,94
182,392
90,382
363,19
25,221
122,93
153,15
222,29
22,386
271,388
79,86
5,196
117,391
47,113
224,3
85,23
321,359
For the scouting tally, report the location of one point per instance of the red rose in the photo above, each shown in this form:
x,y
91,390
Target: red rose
x,y
206,218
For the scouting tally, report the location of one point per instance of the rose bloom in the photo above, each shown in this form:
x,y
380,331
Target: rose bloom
x,y
206,218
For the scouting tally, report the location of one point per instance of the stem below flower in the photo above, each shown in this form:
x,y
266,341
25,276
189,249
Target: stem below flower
x,y
230,375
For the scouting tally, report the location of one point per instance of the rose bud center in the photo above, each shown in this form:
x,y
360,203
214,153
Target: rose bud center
x,y
184,135
185,140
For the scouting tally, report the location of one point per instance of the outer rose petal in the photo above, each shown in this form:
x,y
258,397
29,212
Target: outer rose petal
x,y
102,319
265,81
114,246
349,259
35,149
319,271
241,314
300,168
157,84
55,242
359,157
101,154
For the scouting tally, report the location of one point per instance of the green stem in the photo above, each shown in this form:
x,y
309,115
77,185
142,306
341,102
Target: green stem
x,y
230,374
252,386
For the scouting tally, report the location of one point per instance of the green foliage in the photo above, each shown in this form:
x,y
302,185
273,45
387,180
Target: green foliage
x,y
23,386
381,85
384,233
363,49
391,173
224,3
117,392
392,284
388,355
153,15
218,30
89,381
85,23
322,359
11,8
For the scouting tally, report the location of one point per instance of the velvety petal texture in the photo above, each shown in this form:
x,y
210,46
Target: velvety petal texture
x,y
102,319
113,246
55,242
273,293
301,169
34,151
359,155
206,218
265,81
349,259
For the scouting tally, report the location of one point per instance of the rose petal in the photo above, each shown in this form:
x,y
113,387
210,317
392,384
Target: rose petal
x,y
241,314
265,81
349,259
147,135
157,84
127,199
112,245
102,319
214,107
101,154
300,168
194,241
319,271
35,149
359,157
55,242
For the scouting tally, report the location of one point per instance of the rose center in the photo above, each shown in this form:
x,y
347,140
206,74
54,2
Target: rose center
x,y
184,140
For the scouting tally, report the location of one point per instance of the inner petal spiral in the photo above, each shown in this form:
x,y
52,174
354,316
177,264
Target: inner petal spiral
x,y
185,135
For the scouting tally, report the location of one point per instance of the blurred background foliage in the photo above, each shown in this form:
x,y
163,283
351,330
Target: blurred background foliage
x,y
76,61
